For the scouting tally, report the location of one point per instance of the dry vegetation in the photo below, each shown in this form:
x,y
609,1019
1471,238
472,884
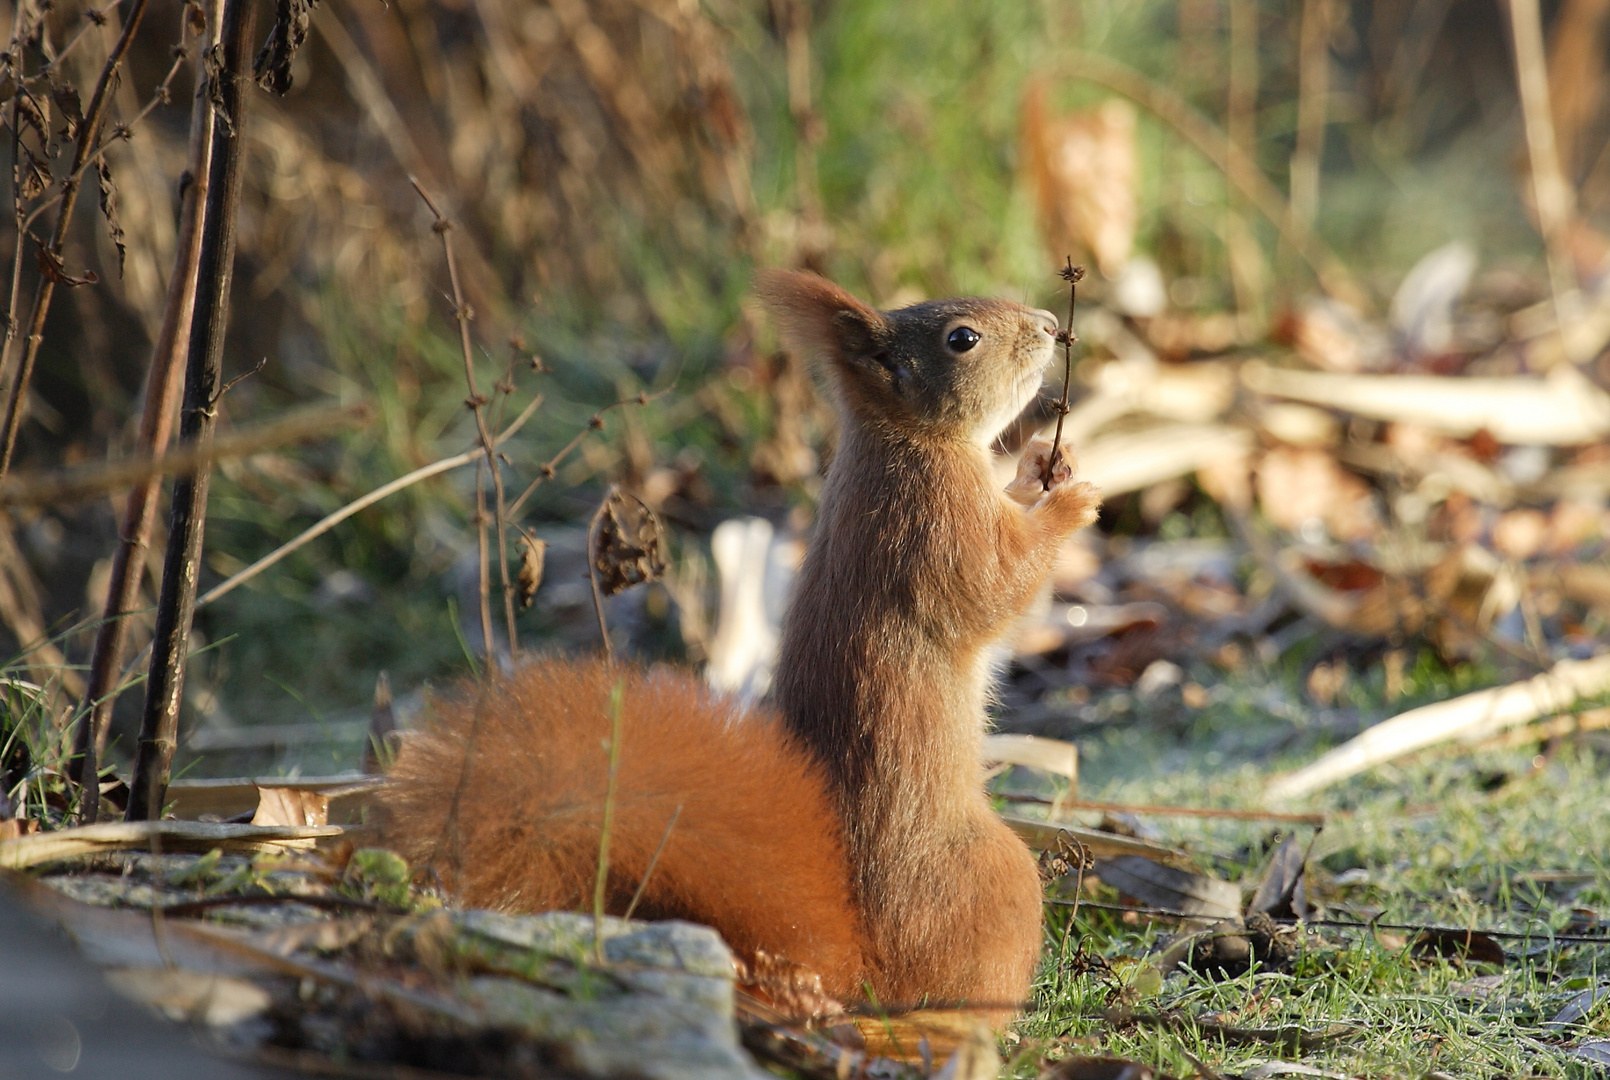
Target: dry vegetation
x,y
1342,377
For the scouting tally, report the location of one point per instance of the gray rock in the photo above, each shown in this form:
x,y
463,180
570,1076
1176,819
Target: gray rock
x,y
660,1007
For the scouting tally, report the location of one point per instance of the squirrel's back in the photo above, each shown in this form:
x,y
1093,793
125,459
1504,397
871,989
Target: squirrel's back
x,y
502,795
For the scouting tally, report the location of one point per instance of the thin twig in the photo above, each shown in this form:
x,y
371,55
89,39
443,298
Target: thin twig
x,y
88,132
462,313
1072,275
654,861
599,885
594,423
64,486
331,520
160,96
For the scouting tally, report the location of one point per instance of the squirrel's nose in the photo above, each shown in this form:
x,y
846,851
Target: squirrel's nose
x,y
1048,321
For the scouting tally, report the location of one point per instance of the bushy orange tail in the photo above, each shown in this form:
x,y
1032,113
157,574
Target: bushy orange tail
x,y
502,796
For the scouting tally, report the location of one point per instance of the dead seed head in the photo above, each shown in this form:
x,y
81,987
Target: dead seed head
x,y
596,423
1072,274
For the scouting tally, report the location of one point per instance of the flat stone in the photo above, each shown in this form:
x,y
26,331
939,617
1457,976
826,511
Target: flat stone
x,y
660,1006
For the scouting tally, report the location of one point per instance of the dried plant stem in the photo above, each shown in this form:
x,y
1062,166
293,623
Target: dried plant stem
x,y
88,131
156,424
59,487
331,520
592,573
1211,142
1313,88
1552,195
476,403
600,884
595,422
203,376
1072,275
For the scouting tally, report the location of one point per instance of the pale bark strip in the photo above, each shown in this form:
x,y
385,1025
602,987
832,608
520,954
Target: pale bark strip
x,y
1469,718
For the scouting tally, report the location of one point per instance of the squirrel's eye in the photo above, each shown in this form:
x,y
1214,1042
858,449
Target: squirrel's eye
x,y
962,338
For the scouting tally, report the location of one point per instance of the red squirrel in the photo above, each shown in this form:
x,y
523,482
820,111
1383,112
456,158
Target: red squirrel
x,y
843,825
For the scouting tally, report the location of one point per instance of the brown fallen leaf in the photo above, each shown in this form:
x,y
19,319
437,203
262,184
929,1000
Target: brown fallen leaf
x,y
1281,894
1156,885
919,1037
290,806
1471,945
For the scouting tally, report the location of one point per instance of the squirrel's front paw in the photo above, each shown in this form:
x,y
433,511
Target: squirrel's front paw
x,y
1028,487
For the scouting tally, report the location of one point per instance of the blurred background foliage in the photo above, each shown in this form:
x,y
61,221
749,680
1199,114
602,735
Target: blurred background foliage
x,y
616,169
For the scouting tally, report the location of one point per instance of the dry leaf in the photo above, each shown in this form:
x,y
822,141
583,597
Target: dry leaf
x,y
1472,945
533,553
1156,885
919,1037
629,546
290,806
1281,893
50,265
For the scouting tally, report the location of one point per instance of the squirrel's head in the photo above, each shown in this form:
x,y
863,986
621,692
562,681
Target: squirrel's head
x,y
960,368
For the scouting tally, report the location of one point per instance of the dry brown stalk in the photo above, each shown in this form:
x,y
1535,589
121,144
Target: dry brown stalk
x,y
331,520
1313,88
88,149
476,403
156,425
1552,195
203,377
60,487
1072,275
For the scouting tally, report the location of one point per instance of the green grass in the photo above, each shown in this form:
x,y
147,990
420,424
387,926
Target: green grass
x,y
1447,839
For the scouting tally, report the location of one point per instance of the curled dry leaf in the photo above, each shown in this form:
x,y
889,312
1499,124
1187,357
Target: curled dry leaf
x,y
272,68
533,553
629,545
50,265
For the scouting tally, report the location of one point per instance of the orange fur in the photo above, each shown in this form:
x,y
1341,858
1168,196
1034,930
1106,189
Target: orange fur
x,y
755,850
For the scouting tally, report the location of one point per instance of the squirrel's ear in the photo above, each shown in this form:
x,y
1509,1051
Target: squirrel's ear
x,y
816,318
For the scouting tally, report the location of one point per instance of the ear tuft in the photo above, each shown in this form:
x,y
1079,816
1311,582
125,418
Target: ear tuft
x,y
816,318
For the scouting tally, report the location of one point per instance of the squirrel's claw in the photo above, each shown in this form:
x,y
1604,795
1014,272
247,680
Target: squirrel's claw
x,y
1028,487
